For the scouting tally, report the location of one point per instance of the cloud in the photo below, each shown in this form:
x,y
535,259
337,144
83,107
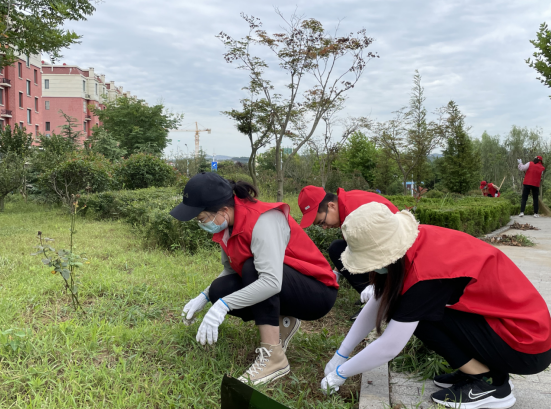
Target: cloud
x,y
470,51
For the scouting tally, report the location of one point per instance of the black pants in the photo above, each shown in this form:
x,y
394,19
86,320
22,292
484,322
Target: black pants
x,y
525,193
460,337
358,281
301,296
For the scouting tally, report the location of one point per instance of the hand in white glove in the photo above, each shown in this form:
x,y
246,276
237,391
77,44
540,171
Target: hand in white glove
x,y
197,304
519,161
337,274
367,294
332,382
208,330
337,360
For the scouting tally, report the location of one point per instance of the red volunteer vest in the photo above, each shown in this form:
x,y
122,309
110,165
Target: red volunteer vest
x,y
350,201
499,291
533,174
301,252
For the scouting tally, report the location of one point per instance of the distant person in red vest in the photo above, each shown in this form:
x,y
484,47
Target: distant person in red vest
x,y
273,273
329,210
462,297
532,180
489,189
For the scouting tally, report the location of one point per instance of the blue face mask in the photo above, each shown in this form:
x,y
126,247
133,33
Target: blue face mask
x,y
212,227
381,270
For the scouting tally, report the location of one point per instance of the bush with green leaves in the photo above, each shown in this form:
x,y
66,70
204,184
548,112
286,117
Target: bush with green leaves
x,y
12,172
79,172
141,171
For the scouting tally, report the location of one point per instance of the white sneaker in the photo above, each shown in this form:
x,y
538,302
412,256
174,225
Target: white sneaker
x,y
536,215
521,214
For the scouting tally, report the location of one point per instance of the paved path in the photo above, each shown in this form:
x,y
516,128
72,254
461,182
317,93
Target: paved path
x,y
531,391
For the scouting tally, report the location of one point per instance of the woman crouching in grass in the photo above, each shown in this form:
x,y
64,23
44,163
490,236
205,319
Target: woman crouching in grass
x,y
273,273
463,298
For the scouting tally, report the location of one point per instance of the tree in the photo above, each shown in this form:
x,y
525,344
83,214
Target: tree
x,y
36,26
310,57
16,141
358,154
12,175
542,57
408,138
386,171
68,130
461,163
256,120
493,157
136,126
103,143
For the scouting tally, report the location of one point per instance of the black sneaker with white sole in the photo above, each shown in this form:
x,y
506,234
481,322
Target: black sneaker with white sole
x,y
474,393
447,380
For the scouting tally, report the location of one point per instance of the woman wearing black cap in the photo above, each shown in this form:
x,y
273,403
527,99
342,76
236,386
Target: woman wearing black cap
x,y
273,273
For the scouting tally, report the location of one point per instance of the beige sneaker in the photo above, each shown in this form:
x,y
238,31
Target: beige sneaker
x,y
288,326
270,364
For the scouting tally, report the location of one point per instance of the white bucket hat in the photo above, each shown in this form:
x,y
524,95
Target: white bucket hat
x,y
376,237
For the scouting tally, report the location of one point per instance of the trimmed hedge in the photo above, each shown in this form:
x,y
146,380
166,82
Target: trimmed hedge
x,y
148,211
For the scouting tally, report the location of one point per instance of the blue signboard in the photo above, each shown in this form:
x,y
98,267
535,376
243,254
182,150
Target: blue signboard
x,y
214,166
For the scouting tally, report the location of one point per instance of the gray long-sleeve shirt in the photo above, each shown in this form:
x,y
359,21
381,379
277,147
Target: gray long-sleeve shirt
x,y
270,237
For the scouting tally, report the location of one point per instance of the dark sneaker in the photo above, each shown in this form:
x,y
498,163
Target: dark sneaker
x,y
447,380
473,393
353,318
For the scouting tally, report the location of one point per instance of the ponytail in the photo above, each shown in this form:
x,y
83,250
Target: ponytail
x,y
244,190
536,160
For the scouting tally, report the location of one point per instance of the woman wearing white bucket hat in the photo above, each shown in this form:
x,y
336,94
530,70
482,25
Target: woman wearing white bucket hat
x,y
462,297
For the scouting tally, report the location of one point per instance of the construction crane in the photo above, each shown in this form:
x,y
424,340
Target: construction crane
x,y
196,130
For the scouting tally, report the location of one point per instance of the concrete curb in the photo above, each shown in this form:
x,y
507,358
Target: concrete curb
x,y
501,229
375,392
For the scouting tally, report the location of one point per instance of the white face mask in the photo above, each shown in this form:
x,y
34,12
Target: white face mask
x,y
212,227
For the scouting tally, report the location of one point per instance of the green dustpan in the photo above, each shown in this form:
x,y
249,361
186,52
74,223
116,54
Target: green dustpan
x,y
237,395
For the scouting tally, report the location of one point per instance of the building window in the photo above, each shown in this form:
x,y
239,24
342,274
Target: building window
x,y
84,106
20,69
46,104
96,89
36,130
1,70
20,100
21,124
83,86
46,84
1,96
28,87
36,104
28,61
47,126
84,126
35,76
29,116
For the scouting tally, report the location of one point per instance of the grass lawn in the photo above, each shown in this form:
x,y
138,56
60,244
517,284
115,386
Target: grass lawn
x,y
131,350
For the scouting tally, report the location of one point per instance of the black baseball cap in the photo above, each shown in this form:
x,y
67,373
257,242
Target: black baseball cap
x,y
202,191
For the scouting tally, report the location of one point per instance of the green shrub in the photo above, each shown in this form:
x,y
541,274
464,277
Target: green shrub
x,y
148,210
141,171
80,172
236,177
434,194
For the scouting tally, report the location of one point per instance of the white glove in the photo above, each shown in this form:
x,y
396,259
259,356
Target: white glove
x,y
337,274
519,161
332,382
367,294
197,304
208,330
337,360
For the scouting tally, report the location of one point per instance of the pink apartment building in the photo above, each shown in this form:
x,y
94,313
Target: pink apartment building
x,y
20,95
32,93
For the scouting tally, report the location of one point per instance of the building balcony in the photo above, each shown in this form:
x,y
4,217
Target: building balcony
x,y
87,96
4,82
5,113
87,118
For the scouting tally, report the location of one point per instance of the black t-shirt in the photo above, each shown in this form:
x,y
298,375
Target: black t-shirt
x,y
426,300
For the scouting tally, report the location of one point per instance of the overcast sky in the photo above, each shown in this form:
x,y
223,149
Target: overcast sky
x,y
470,51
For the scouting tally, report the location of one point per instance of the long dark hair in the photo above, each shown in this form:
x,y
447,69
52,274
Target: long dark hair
x,y
388,288
241,189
